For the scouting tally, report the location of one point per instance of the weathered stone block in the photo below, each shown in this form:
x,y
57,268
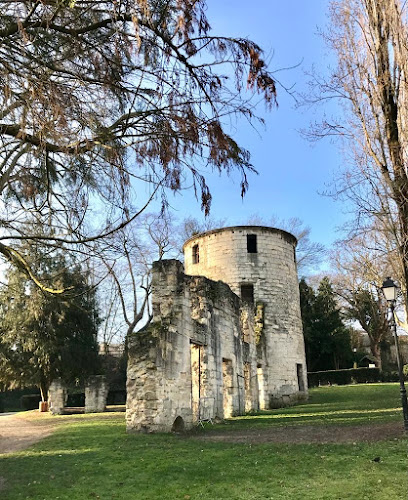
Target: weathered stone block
x,y
57,397
96,393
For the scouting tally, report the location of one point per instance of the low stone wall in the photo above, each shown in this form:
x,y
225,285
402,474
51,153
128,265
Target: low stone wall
x,y
96,393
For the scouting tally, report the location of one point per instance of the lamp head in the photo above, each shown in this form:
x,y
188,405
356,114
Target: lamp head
x,y
390,289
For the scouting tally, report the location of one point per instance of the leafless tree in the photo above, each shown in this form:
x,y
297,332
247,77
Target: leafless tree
x,y
357,280
369,38
191,226
125,273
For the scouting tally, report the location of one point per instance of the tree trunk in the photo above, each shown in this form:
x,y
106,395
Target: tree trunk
x,y
44,390
376,352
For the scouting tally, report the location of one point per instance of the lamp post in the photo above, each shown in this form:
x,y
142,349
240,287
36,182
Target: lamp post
x,y
390,289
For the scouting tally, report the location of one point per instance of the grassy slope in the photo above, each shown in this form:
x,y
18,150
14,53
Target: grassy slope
x,y
95,458
342,405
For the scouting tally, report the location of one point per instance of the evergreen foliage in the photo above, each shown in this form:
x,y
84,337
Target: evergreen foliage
x,y
327,339
45,336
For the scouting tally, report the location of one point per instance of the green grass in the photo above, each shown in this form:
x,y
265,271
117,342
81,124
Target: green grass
x,y
92,457
340,405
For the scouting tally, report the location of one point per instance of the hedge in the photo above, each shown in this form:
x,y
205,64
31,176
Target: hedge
x,y
344,377
12,399
30,401
116,397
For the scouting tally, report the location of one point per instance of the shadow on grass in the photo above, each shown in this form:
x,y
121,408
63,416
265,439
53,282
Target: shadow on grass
x,y
101,461
91,456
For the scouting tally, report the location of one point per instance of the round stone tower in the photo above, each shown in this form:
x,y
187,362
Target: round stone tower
x,y
259,265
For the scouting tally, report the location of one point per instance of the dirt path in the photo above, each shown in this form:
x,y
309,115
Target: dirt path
x,y
20,430
309,434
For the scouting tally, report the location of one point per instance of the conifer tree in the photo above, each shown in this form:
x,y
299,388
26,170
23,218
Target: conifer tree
x,y
101,100
327,339
45,336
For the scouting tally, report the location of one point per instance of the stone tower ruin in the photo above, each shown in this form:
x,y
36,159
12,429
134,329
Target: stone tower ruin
x,y
226,335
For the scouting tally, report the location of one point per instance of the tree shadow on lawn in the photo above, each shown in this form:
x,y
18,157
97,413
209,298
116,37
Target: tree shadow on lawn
x,y
107,463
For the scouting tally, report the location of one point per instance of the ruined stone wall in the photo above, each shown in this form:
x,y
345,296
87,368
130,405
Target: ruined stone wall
x,y
223,255
57,396
96,394
191,363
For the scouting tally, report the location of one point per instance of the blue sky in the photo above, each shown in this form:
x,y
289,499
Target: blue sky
x,y
292,172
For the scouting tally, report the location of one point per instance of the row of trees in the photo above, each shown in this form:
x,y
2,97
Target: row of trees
x,y
99,99
368,83
335,319
45,336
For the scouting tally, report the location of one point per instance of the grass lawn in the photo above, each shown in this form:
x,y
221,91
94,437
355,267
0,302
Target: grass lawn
x,y
92,457
340,405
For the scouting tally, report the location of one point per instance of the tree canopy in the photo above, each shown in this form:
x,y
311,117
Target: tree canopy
x,y
45,336
360,266
100,99
327,339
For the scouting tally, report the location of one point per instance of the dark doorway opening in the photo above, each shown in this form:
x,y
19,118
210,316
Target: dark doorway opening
x,y
301,382
178,425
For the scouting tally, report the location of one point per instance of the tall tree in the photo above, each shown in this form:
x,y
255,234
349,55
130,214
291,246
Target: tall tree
x,y
98,99
369,40
126,272
45,336
327,339
360,265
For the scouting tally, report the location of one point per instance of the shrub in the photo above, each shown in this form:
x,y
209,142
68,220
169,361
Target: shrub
x,y
344,377
30,401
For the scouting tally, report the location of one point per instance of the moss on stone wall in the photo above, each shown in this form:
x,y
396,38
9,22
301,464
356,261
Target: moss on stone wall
x,y
259,321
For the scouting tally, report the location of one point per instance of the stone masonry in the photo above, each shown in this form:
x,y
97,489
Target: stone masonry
x,y
268,267
57,397
225,338
96,393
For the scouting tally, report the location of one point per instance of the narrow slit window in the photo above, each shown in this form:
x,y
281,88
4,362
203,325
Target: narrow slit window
x,y
247,294
196,254
251,243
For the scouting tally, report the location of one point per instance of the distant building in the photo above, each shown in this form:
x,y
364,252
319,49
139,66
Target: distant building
x,y
115,350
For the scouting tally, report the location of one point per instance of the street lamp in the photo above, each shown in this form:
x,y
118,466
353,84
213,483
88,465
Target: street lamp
x,y
390,290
